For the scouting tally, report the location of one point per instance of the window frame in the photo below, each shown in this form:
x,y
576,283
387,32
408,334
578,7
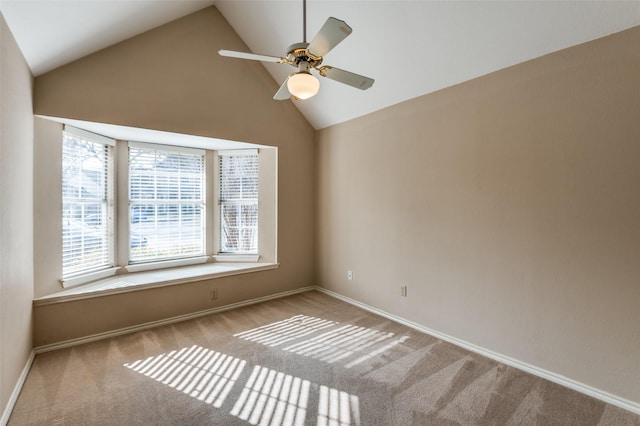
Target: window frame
x,y
177,259
219,205
104,268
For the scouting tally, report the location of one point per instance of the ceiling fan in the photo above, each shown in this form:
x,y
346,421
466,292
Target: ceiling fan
x,y
306,56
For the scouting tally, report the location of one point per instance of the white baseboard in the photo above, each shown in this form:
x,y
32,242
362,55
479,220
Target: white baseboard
x,y
532,369
6,413
172,320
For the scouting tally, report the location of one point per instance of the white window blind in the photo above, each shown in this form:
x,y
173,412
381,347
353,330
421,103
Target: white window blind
x,y
238,201
86,200
166,202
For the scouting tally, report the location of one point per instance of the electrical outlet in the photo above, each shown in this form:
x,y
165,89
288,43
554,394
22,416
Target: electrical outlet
x,y
350,275
213,294
403,290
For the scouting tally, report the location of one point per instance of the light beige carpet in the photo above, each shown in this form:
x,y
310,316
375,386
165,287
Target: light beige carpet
x,y
302,360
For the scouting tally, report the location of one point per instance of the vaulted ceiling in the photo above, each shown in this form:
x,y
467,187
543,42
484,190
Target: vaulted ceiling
x,y
410,48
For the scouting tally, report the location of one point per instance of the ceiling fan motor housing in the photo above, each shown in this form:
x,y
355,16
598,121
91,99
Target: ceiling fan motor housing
x,y
298,52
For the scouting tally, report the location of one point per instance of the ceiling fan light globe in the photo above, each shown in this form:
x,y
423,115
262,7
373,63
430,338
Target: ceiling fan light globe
x,y
303,85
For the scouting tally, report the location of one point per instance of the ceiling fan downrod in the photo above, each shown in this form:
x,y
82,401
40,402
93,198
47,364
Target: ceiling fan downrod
x,y
304,21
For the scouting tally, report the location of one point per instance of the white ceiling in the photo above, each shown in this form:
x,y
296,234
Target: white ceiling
x,y
409,47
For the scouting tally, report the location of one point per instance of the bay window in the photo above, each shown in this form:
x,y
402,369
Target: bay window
x,y
134,206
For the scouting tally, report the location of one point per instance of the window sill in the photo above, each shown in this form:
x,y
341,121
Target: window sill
x,y
152,279
83,278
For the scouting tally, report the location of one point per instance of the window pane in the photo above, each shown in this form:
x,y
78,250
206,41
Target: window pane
x,y
238,203
85,215
166,211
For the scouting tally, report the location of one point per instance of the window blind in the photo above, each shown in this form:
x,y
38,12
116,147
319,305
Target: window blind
x,y
166,203
238,201
86,218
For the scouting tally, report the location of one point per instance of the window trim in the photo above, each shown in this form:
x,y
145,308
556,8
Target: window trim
x,y
232,257
89,135
168,263
86,277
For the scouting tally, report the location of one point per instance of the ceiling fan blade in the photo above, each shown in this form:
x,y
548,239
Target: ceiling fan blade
x,y
330,35
283,92
346,77
251,56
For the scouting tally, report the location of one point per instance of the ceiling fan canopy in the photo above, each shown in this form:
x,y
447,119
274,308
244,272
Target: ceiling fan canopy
x,y
309,56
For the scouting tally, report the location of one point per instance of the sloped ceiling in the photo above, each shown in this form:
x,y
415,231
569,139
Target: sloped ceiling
x,y
410,48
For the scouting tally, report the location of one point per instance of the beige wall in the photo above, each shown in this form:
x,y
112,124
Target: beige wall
x,y
509,206
172,79
16,218
47,201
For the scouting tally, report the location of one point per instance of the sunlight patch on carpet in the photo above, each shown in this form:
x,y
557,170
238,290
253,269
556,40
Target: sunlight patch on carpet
x,y
337,408
199,372
280,332
271,397
340,343
331,346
